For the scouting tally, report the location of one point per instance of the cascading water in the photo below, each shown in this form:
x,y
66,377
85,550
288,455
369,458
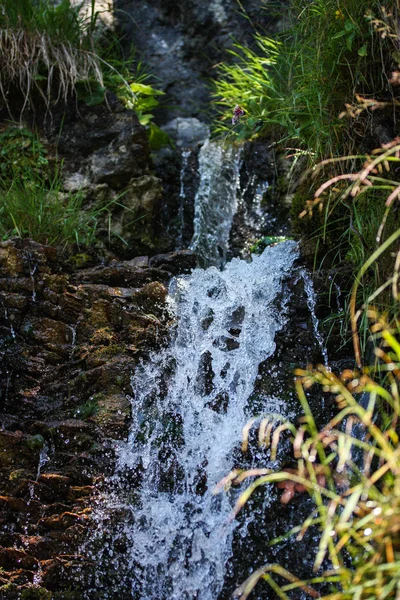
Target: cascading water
x,y
311,302
189,406
216,201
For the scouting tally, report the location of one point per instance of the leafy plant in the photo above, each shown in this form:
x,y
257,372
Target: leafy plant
x,y
22,155
350,468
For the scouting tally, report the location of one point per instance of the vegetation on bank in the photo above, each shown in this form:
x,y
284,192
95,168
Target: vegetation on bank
x,y
326,93
350,468
53,54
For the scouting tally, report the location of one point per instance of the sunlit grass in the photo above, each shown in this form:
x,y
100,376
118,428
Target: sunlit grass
x,y
350,468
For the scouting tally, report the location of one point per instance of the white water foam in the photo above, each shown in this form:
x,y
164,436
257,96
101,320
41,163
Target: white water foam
x,y
188,406
216,201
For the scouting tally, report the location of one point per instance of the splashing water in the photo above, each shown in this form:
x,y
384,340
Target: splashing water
x,y
311,303
188,406
182,197
216,201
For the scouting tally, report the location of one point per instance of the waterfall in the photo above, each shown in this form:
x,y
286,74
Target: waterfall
x,y
169,537
188,404
216,201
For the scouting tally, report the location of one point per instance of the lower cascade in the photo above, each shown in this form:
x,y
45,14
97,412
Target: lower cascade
x,y
172,537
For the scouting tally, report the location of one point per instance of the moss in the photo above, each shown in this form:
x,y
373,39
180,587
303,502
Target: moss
x,y
102,336
36,593
84,411
107,351
36,442
81,260
21,474
9,592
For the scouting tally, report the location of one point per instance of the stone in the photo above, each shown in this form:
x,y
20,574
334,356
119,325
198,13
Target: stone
x,y
58,485
63,521
75,182
139,261
113,416
181,261
151,294
187,131
10,558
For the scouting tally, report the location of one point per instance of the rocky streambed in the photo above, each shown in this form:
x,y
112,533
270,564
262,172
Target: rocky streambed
x,y
70,339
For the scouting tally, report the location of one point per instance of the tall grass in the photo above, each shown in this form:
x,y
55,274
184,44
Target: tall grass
x,y
366,198
296,87
350,468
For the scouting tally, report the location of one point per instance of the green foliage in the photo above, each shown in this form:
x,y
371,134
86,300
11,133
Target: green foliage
x,y
59,21
267,240
36,593
350,468
297,87
30,210
32,201
45,50
21,154
50,51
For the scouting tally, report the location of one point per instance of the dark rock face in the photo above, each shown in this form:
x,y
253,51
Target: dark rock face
x,y
106,158
69,342
182,41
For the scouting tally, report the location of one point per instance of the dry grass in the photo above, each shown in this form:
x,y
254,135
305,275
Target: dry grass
x,y
351,469
33,62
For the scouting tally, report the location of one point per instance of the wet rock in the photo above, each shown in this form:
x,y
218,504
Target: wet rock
x,y
181,261
187,132
58,485
63,521
22,577
10,558
15,454
84,491
12,504
151,295
11,262
64,377
64,572
113,416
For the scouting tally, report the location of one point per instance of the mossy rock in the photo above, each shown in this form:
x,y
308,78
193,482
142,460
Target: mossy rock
x,y
36,593
9,592
113,415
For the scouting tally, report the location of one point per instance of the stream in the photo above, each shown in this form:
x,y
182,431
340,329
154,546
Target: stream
x,y
161,532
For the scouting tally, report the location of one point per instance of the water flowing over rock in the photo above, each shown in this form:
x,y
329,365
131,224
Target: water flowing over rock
x,y
69,339
216,201
188,407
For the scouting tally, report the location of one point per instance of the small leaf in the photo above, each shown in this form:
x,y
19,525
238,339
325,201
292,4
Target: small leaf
x,y
349,25
158,138
340,34
145,119
145,104
145,90
363,50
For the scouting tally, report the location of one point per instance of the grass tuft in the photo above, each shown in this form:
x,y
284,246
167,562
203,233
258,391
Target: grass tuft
x,y
44,49
350,468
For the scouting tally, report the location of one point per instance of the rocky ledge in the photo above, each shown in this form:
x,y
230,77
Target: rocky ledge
x,y
70,339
